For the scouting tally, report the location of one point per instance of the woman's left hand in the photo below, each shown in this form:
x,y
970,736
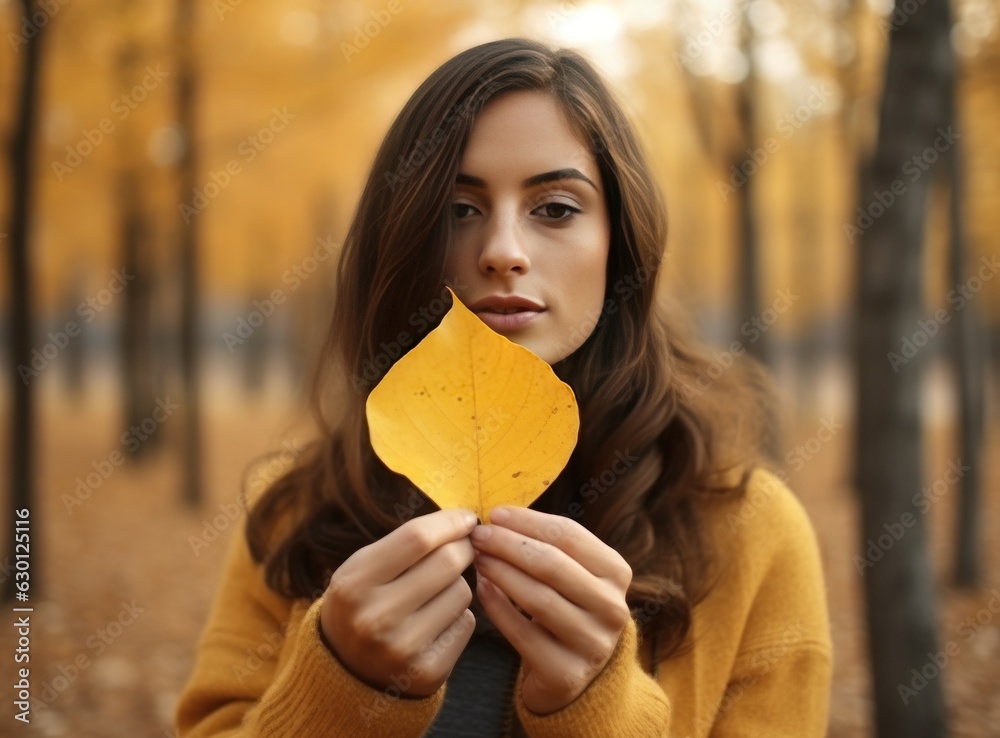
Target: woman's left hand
x,y
573,586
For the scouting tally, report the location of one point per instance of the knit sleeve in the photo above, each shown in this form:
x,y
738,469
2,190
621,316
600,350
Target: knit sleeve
x,y
623,701
262,670
779,685
778,690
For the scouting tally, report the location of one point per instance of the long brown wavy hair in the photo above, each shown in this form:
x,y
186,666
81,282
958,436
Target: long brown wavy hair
x,y
656,434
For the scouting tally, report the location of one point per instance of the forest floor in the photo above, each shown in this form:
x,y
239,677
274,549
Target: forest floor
x,y
120,594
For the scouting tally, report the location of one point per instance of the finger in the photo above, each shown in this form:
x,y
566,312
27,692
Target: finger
x,y
438,658
427,623
571,626
550,565
396,552
567,535
538,648
429,576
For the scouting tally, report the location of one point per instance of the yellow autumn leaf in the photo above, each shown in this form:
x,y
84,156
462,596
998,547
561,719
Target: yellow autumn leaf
x,y
473,419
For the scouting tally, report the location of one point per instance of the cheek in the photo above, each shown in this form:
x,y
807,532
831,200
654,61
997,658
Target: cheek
x,y
590,275
583,284
452,264
595,280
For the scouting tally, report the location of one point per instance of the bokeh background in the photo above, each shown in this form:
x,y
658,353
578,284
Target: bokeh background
x,y
178,177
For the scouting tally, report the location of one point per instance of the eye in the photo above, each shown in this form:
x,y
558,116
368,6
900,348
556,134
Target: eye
x,y
557,211
462,210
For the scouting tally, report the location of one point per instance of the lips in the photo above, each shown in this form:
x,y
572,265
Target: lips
x,y
506,313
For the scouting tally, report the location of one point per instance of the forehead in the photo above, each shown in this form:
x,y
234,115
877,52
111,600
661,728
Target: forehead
x,y
526,131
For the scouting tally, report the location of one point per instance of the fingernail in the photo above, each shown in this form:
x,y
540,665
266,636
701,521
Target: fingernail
x,y
500,514
469,520
481,532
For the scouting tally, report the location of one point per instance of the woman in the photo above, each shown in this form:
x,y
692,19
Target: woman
x,y
665,583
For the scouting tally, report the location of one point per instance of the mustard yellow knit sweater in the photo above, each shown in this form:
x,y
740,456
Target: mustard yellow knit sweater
x,y
760,661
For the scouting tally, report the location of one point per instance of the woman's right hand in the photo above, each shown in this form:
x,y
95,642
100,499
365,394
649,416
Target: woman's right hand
x,y
396,612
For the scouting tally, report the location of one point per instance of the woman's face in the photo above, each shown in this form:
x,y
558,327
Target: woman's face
x,y
530,227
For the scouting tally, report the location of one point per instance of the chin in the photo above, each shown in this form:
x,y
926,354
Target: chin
x,y
549,357
551,351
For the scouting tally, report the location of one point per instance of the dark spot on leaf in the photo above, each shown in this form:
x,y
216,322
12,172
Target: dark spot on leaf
x,y
545,481
516,474
555,409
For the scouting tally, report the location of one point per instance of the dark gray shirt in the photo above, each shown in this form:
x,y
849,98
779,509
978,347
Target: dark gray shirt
x,y
478,702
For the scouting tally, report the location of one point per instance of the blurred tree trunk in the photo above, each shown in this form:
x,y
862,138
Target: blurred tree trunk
x,y
968,356
22,418
899,590
255,348
184,30
813,342
137,361
138,382
74,354
749,304
741,170
851,22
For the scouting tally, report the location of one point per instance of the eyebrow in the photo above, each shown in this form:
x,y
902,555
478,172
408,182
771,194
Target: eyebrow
x,y
536,179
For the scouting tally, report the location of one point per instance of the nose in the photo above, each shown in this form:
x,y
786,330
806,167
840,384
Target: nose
x,y
503,251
